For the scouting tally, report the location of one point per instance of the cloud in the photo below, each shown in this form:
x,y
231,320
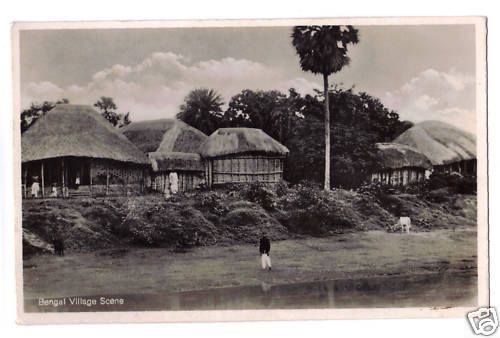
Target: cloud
x,y
156,86
434,95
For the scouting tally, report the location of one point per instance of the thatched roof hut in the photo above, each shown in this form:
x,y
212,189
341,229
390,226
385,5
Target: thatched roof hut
x,y
78,131
441,142
75,150
399,165
240,155
171,145
229,141
397,156
164,135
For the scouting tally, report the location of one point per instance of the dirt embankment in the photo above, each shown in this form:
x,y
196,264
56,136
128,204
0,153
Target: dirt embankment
x,y
225,217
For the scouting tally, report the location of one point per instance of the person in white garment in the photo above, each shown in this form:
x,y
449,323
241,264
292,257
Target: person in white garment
x,y
35,188
174,182
54,190
166,191
264,249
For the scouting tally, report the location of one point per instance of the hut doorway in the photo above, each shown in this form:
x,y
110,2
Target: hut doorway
x,y
78,170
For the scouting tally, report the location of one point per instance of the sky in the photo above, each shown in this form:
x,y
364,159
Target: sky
x,y
424,72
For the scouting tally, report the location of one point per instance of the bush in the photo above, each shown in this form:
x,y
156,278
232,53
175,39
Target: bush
x,y
169,224
441,195
309,210
454,181
261,194
374,189
281,188
211,202
246,221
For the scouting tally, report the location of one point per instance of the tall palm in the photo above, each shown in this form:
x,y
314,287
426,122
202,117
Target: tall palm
x,y
202,109
323,50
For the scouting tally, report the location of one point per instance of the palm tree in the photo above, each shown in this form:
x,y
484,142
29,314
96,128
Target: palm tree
x,y
323,50
202,109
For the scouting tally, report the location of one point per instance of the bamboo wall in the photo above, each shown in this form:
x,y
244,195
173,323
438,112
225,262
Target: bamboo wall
x,y
399,177
116,178
187,180
242,169
466,168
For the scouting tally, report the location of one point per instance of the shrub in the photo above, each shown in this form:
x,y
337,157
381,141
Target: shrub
x,y
439,195
261,194
309,210
454,181
169,224
211,202
246,221
374,189
281,188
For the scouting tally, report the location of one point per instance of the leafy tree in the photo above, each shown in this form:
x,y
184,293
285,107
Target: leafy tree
x,y
31,114
323,50
107,107
202,109
358,122
266,110
124,120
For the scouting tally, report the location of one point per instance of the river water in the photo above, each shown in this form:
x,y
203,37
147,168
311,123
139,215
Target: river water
x,y
428,290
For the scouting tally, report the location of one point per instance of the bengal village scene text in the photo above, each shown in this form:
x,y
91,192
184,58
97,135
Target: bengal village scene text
x,y
248,168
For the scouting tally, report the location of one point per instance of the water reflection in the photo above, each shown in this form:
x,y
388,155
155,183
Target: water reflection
x,y
395,291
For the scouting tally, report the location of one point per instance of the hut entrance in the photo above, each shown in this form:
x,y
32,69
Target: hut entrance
x,y
54,174
78,170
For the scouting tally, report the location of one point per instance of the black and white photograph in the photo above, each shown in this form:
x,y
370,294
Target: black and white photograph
x,y
210,167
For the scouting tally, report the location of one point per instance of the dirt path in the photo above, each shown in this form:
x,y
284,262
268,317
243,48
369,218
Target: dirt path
x,y
354,255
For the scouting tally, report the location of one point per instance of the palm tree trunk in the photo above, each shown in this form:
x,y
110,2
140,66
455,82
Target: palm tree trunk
x,y
327,133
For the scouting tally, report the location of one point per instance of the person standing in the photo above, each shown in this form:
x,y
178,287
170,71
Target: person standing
x,y
174,182
35,187
264,249
54,190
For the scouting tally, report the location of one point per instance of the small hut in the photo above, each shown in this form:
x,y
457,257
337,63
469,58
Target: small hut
x,y
237,155
449,148
400,165
72,150
172,146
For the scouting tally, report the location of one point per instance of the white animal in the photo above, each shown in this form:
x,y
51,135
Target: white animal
x,y
405,223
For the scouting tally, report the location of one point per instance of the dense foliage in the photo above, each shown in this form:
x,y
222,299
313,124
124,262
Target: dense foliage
x,y
323,50
202,109
358,122
454,182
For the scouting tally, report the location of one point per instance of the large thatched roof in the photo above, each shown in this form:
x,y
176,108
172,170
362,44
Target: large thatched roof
x,y
77,130
227,141
397,156
171,144
165,135
442,143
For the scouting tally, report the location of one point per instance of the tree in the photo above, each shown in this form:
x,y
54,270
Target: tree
x,y
124,120
202,109
358,122
31,114
107,107
323,50
266,110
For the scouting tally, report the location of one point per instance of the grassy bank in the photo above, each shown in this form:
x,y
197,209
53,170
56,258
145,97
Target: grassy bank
x,y
228,217
157,270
